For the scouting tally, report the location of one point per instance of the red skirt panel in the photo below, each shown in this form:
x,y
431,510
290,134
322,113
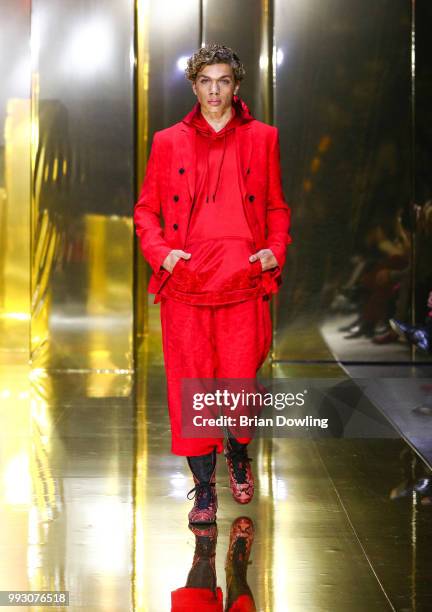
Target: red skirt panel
x,y
230,341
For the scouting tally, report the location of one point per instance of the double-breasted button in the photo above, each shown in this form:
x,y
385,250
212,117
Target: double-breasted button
x,y
176,198
181,170
248,171
266,298
251,198
175,226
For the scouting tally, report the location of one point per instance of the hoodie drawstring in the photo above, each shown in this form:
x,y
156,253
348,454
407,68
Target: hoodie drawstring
x,y
220,167
219,170
240,115
206,178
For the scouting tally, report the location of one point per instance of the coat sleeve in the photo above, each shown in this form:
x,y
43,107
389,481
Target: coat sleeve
x,y
278,211
147,213
278,217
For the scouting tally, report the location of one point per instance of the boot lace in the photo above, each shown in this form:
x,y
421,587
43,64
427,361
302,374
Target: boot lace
x,y
203,493
239,461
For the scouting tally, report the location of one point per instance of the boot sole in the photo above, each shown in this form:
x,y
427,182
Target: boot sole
x,y
202,522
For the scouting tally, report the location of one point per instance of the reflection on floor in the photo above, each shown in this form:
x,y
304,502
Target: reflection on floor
x,y
404,395
93,502
402,391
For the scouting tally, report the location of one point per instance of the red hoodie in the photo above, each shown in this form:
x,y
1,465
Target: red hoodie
x,y
219,238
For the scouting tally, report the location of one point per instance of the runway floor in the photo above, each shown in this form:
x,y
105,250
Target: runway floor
x,y
94,503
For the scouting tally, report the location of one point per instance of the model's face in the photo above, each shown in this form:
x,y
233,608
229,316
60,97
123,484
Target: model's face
x,y
215,87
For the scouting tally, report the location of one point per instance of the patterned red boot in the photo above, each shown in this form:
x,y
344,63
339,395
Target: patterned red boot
x,y
240,472
205,505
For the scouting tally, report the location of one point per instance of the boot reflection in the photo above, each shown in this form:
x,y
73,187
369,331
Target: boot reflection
x,y
239,595
201,593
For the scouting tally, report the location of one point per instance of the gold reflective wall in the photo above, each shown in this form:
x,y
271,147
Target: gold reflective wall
x,y
82,185
15,130
344,104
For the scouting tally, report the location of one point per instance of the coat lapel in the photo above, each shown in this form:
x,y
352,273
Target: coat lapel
x,y
186,147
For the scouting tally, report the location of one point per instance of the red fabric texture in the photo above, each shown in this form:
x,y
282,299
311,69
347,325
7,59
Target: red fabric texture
x,y
244,603
169,188
230,341
218,272
216,164
187,599
219,238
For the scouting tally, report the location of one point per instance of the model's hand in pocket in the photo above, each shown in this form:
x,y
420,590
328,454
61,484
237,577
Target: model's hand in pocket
x,y
172,258
266,257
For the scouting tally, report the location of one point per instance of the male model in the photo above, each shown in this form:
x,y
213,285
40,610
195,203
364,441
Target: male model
x,y
215,176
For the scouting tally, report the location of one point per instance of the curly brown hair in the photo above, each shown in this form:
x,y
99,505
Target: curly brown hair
x,y
214,53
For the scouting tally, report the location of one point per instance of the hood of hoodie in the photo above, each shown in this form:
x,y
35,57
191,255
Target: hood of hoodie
x,y
196,119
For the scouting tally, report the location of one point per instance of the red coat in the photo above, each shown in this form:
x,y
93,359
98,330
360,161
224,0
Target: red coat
x,y
169,186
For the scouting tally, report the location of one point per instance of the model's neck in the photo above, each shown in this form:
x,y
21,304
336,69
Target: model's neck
x,y
218,122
